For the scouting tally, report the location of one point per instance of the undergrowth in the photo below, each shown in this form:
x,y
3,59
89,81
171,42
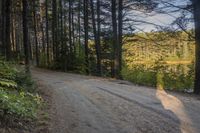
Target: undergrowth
x,y
17,97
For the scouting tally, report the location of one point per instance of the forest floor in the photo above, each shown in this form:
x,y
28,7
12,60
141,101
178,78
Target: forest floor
x,y
86,104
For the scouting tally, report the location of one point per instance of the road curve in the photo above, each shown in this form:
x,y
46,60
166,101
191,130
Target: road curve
x,y
85,104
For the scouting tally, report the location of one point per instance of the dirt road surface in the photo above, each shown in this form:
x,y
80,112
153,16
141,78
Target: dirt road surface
x,y
84,104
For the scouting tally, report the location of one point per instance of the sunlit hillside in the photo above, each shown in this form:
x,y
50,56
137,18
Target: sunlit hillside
x,y
146,55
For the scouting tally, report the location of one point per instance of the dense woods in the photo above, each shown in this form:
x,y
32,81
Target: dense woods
x,y
92,36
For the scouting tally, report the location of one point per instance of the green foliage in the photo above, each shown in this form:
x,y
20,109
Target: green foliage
x,y
165,60
43,61
160,82
15,97
151,47
8,83
160,76
24,81
19,104
139,76
7,71
178,82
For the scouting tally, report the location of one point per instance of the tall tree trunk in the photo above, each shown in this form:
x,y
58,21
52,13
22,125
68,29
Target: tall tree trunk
x,y
54,28
114,39
86,36
97,47
79,27
3,27
120,41
65,40
62,35
7,39
99,36
70,33
35,32
72,23
25,35
14,33
43,36
47,31
196,4
30,48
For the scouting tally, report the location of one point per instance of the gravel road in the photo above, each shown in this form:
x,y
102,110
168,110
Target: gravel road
x,y
86,104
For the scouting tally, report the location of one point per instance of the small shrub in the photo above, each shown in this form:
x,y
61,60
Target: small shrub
x,y
15,97
140,77
160,76
22,105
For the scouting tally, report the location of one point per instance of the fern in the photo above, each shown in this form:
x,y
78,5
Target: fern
x,y
8,83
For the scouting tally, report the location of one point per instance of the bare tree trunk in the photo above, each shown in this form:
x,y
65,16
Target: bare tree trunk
x,y
86,35
79,27
99,36
120,41
97,47
3,27
114,39
72,23
70,32
25,35
35,32
47,31
7,39
43,36
54,29
196,4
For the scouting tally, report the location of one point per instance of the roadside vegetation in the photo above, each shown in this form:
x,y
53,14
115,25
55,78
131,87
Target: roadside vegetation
x,y
160,59
18,101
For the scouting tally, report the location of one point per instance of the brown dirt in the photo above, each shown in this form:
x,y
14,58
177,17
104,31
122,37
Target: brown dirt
x,y
84,104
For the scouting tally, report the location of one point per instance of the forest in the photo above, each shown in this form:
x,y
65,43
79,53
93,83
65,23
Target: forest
x,y
102,38
76,36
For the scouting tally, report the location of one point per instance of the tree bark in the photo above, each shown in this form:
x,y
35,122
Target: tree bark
x,y
3,50
7,38
70,32
99,35
25,35
97,47
35,32
114,39
120,40
54,28
79,27
47,31
196,5
86,35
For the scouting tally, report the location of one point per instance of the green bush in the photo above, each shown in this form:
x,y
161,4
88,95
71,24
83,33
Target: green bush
x,y
15,97
8,83
160,82
139,76
7,71
24,81
19,104
160,77
178,82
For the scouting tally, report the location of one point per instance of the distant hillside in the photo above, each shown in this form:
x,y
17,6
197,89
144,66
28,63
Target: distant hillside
x,y
158,46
